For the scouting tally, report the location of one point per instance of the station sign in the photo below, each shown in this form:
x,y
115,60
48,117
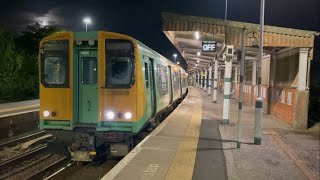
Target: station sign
x,y
209,46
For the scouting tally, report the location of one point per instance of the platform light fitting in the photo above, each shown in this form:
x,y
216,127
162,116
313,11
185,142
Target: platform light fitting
x,y
197,35
198,53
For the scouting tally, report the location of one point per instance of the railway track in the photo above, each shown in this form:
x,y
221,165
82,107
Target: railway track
x,y
21,139
32,164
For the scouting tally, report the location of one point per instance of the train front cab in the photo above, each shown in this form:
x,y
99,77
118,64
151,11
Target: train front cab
x,y
89,88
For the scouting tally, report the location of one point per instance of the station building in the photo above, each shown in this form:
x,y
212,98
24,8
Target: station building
x,y
285,66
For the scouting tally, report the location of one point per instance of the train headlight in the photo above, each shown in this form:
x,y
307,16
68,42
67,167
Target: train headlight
x,y
109,115
128,115
46,113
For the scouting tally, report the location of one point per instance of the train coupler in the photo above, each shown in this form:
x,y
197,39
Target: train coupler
x,y
83,148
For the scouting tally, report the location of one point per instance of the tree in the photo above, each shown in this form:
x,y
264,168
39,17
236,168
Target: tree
x,y
19,62
10,64
32,35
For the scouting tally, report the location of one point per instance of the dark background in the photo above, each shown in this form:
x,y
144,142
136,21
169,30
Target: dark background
x,y
142,19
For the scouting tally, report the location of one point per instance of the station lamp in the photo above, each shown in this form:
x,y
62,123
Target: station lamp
x,y
197,35
175,57
87,21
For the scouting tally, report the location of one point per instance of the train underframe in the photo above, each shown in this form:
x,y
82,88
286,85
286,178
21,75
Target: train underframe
x,y
86,144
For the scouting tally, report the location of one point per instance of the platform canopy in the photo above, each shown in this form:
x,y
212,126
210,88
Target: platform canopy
x,y
190,33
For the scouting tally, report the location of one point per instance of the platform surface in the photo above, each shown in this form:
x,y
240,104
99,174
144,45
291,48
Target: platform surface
x,y
193,144
15,108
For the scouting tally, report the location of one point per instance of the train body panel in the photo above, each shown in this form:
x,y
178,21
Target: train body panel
x,y
55,93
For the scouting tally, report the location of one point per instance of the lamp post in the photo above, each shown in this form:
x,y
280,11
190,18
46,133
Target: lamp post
x,y
87,21
175,58
259,100
226,11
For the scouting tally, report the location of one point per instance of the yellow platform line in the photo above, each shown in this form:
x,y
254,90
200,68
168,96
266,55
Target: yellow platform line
x,y
19,108
183,164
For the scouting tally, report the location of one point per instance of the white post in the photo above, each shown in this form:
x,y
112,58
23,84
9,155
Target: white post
x,y
215,81
199,79
236,75
205,79
254,73
227,91
210,79
303,64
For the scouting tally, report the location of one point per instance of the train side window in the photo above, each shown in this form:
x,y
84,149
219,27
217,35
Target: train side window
x,y
146,74
162,82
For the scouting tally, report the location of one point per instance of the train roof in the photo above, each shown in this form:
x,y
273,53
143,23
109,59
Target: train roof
x,y
94,35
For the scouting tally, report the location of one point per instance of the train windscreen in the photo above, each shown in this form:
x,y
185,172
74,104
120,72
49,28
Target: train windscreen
x,y
54,63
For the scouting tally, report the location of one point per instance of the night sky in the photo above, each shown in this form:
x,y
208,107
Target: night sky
x,y
142,19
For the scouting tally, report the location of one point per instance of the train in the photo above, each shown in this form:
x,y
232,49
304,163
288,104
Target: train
x,y
100,90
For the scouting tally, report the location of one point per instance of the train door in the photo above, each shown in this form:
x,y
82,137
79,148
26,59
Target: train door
x,y
88,87
152,87
170,82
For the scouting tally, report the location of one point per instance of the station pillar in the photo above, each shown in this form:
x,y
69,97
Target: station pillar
x,y
199,79
254,72
303,64
205,79
300,121
215,81
227,86
236,75
209,80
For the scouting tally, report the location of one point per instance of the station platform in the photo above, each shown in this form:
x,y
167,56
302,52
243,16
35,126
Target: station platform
x,y
15,108
191,143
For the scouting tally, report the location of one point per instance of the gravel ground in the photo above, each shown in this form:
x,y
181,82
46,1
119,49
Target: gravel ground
x,y
22,165
89,171
8,153
26,173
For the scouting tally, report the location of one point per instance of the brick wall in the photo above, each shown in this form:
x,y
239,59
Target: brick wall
x,y
250,93
282,103
282,100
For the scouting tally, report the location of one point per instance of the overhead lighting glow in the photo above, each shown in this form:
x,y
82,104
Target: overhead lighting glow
x,y
196,64
198,53
198,61
87,20
197,35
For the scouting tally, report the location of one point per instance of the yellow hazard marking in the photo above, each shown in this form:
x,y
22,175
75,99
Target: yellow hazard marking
x,y
18,108
183,164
